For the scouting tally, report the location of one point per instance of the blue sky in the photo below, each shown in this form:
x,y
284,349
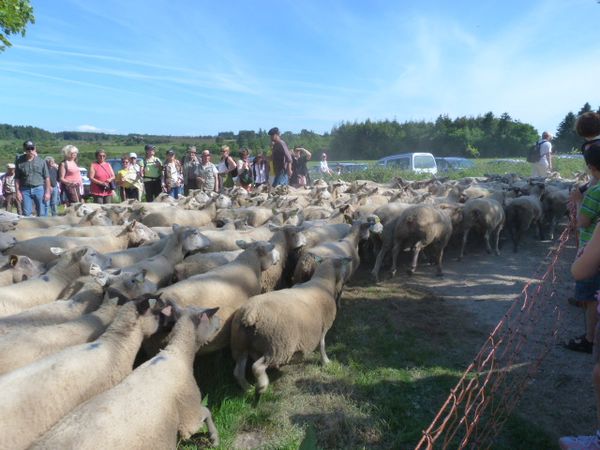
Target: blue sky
x,y
184,67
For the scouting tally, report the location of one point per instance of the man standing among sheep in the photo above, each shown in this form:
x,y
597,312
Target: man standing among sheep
x,y
543,167
282,158
32,181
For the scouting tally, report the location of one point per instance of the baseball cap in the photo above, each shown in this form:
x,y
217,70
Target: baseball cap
x,y
28,144
133,155
10,166
170,152
149,147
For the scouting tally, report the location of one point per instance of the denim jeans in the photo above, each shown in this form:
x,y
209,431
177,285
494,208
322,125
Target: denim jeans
x,y
54,201
281,179
31,196
175,191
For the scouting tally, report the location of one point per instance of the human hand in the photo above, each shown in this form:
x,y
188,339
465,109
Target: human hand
x,y
46,196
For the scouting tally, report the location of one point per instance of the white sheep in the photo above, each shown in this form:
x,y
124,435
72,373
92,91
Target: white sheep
x,y
25,345
155,402
522,212
19,268
203,262
485,215
273,327
37,396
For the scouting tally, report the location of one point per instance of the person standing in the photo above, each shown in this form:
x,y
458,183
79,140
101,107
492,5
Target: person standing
x,y
32,181
191,170
172,175
282,159
126,179
300,176
245,170
260,170
227,168
543,166
102,178
52,205
69,175
208,178
324,167
151,173
9,190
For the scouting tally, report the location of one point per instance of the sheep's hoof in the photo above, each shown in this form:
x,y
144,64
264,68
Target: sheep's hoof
x,y
410,271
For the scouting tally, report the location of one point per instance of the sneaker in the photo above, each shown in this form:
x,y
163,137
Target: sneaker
x,y
580,344
579,443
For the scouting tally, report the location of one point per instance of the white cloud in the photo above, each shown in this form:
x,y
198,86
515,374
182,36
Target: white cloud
x,y
93,129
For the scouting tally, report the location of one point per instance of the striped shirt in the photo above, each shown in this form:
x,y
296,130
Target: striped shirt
x,y
590,207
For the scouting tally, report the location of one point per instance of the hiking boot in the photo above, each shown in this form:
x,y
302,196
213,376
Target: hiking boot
x,y
580,344
579,442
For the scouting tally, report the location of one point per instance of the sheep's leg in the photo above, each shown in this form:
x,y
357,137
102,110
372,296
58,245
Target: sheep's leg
x,y
416,251
497,239
440,256
464,243
395,253
212,429
486,237
378,262
324,359
259,369
239,372
191,412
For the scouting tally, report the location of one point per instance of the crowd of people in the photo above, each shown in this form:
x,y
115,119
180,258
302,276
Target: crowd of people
x,y
32,185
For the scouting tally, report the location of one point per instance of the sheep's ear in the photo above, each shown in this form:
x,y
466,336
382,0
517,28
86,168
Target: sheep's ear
x,y
273,227
142,306
242,244
175,227
57,250
13,260
80,253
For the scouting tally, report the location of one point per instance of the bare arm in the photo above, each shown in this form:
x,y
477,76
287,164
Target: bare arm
x,y
588,262
61,173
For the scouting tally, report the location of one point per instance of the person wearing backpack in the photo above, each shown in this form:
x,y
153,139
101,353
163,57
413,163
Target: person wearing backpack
x,y
543,166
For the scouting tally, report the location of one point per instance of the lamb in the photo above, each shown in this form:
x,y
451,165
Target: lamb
x,y
48,287
226,287
37,396
272,327
418,227
19,268
161,268
203,262
348,246
26,345
522,212
131,235
87,299
487,215
161,396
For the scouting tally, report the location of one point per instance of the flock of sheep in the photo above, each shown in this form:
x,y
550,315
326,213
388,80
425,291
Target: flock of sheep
x,y
262,273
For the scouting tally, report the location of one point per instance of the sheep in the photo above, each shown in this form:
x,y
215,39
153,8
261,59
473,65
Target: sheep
x,y
522,212
161,396
286,239
554,208
19,268
37,396
203,262
129,256
225,240
26,345
227,287
255,217
418,227
272,327
87,299
485,214
161,268
348,246
167,215
131,235
48,287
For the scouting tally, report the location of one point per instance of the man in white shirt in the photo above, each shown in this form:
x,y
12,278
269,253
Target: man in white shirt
x,y
543,167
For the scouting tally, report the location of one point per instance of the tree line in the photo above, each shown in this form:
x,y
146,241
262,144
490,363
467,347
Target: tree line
x,y
485,136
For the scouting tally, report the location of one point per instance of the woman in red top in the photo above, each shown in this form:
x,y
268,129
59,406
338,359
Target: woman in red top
x,y
69,175
101,176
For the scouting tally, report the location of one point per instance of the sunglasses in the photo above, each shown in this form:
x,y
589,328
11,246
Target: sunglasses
x,y
30,148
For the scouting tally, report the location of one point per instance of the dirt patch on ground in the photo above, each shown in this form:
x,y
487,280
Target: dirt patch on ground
x,y
474,294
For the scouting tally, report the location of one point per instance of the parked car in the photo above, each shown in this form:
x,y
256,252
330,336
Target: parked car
x,y
569,156
86,182
453,163
412,162
347,167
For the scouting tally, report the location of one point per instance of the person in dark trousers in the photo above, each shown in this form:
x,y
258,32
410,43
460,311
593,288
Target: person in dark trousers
x,y
152,173
32,181
9,190
52,205
281,157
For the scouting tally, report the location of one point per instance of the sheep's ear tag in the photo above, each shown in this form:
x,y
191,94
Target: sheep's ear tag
x,y
318,259
13,260
57,250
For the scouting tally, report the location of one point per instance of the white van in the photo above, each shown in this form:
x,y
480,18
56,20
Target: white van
x,y
411,162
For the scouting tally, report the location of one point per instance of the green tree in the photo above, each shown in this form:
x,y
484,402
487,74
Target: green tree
x,y
14,17
566,136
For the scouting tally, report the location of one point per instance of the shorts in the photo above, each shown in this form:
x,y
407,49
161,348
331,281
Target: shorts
x,y
585,290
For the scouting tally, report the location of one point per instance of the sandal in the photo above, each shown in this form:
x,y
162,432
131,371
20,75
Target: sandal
x,y
580,344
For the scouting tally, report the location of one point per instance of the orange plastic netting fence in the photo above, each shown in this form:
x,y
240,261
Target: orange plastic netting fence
x,y
492,385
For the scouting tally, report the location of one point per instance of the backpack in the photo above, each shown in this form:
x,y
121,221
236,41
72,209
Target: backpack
x,y
533,154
